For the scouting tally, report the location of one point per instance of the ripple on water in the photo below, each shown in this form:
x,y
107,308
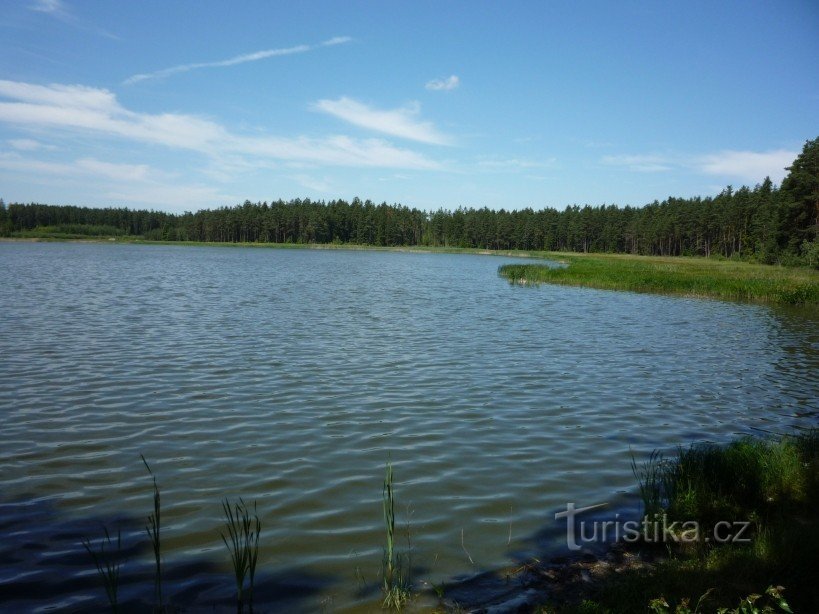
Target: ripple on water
x,y
290,376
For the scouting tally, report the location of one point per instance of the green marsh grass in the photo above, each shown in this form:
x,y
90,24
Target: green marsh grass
x,y
771,483
107,560
701,277
243,528
153,530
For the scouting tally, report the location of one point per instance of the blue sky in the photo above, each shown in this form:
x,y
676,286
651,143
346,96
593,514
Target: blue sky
x,y
192,104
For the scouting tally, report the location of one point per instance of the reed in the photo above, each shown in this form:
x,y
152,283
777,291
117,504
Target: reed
x,y
153,530
396,581
241,537
107,560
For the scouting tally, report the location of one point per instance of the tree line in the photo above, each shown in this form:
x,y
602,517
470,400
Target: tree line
x,y
767,223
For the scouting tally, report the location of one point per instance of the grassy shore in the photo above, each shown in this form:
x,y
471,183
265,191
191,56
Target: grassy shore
x,y
773,485
701,277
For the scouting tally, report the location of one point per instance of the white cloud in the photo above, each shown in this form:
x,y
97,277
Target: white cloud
x,y
515,163
748,165
131,183
82,166
90,111
171,195
450,83
117,172
239,59
337,40
48,6
395,122
59,10
28,145
312,183
650,163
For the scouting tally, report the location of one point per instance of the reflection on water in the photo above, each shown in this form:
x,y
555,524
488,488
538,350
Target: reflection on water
x,y
290,376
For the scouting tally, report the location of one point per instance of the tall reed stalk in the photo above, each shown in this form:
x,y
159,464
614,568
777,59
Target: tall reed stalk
x,y
153,529
388,496
107,562
242,541
396,586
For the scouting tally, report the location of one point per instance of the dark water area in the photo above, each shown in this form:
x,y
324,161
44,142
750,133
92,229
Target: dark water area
x,y
291,376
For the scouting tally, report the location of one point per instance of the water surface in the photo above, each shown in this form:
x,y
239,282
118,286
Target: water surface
x,y
291,376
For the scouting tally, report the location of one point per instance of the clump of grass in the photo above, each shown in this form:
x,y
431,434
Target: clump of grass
x,y
751,476
681,276
243,528
107,560
651,477
770,483
153,530
396,582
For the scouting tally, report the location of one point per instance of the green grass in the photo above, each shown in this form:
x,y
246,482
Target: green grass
x,y
722,279
771,483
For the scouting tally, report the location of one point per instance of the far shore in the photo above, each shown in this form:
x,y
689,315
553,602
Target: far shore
x,y
420,249
716,277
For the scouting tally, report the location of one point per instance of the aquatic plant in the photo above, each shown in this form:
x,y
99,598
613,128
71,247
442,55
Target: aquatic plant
x,y
153,530
108,564
396,582
242,541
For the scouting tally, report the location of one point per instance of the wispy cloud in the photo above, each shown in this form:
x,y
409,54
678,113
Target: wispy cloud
x,y
130,183
28,145
92,111
748,165
648,163
59,10
239,59
450,83
52,7
510,164
401,122
312,183
337,40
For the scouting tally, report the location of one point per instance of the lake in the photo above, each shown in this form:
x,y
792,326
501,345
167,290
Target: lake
x,y
290,377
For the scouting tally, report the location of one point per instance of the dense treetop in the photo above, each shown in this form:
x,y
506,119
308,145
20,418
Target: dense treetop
x,y
764,223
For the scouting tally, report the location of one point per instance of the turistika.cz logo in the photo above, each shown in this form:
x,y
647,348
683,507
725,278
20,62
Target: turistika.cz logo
x,y
657,529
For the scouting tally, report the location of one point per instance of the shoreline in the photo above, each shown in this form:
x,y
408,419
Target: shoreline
x,y
535,255
678,276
